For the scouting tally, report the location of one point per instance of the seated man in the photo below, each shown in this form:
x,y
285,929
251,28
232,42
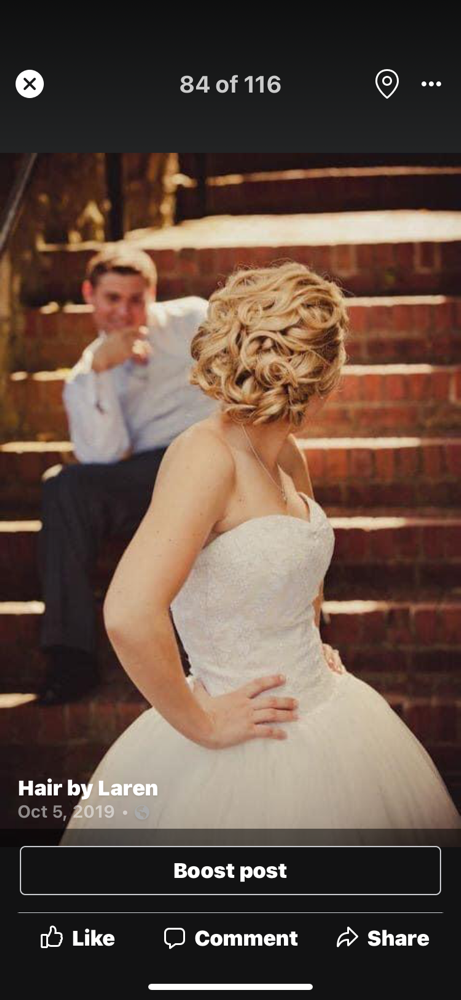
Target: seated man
x,y
126,399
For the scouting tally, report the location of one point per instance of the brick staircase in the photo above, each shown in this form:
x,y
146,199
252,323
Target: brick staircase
x,y
250,183
385,460
333,189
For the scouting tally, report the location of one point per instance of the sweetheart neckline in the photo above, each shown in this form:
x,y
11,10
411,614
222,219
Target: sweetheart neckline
x,y
265,517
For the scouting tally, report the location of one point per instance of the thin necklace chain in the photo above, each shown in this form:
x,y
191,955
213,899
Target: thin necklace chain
x,y
281,488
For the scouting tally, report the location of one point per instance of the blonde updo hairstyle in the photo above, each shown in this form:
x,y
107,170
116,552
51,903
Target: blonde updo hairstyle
x,y
273,337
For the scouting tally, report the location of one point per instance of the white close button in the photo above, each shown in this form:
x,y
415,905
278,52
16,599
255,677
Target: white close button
x,y
29,83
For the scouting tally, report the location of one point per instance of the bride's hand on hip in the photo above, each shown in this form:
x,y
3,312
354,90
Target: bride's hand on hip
x,y
237,717
333,659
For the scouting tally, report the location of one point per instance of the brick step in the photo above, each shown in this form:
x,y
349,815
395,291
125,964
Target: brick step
x,y
381,399
370,400
334,189
384,472
387,556
22,464
346,472
374,556
216,164
409,647
103,714
404,252
405,328
23,666
420,328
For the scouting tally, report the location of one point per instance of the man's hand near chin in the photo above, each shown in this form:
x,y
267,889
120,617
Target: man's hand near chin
x,y
125,344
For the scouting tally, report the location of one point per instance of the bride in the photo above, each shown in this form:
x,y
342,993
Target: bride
x,y
270,730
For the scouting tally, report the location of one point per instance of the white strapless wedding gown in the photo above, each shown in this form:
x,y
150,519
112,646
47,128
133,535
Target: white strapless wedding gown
x,y
348,762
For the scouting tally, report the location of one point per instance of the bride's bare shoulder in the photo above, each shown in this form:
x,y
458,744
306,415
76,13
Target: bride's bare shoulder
x,y
202,449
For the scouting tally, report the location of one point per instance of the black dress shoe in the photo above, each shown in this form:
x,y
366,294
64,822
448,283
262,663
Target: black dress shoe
x,y
72,673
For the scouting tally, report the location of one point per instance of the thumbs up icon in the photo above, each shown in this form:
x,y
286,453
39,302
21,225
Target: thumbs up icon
x,y
51,940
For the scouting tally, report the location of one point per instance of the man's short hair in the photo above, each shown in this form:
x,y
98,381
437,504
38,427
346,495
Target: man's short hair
x,y
123,259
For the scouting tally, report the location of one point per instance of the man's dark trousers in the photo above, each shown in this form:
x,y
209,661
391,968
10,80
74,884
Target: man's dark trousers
x,y
82,505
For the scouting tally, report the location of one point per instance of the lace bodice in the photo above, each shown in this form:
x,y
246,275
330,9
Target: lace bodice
x,y
246,607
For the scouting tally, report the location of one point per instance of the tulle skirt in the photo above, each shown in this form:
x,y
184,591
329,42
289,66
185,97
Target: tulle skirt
x,y
350,763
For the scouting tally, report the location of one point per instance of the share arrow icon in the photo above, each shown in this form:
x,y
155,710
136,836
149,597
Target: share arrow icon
x,y
347,937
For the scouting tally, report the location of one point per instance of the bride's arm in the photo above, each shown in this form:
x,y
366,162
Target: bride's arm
x,y
191,492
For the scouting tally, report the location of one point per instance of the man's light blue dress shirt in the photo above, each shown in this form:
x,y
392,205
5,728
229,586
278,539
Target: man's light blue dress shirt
x,y
133,407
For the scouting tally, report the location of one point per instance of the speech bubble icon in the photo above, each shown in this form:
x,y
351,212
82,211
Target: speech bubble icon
x,y
173,936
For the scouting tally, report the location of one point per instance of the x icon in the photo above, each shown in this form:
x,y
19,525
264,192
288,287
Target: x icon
x,y
29,83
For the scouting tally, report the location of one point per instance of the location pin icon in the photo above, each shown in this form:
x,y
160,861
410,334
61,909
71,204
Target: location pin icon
x,y
387,82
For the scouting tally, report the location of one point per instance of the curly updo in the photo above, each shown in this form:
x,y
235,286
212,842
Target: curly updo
x,y
273,337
